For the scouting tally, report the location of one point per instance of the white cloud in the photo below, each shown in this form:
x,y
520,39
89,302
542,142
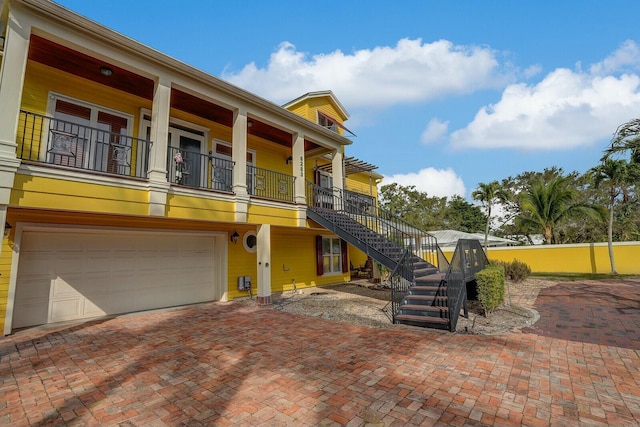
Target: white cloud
x,y
627,56
567,109
434,182
411,71
434,131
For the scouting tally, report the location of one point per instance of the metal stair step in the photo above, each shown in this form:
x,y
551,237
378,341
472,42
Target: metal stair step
x,y
424,270
422,319
425,290
435,277
420,307
427,300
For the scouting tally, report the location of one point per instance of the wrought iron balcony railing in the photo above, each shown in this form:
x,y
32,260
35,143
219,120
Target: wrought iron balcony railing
x,y
268,184
193,169
58,142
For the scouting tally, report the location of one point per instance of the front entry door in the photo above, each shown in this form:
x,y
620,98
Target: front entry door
x,y
192,175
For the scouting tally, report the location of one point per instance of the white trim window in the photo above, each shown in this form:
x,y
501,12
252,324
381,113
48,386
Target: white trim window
x,y
325,121
222,164
87,136
331,255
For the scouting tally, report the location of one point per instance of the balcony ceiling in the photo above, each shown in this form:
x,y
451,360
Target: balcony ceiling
x,y
79,64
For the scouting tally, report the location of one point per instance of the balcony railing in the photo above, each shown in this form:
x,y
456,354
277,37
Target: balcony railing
x,y
57,142
193,169
268,184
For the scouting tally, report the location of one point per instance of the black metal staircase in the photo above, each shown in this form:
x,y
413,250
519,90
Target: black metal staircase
x,y
418,268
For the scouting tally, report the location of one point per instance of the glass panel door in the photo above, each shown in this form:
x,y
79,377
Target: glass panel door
x,y
192,158
113,153
69,136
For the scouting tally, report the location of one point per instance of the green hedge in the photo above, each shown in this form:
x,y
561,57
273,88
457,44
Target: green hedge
x,y
516,270
491,287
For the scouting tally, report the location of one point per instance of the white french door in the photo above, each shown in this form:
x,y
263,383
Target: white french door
x,y
74,141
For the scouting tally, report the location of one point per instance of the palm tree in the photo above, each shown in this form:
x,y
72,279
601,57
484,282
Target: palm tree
x,y
618,175
488,195
626,138
546,204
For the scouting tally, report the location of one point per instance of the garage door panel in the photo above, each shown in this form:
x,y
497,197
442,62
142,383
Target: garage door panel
x,y
69,242
89,274
70,285
68,263
97,306
30,312
190,243
65,309
100,261
39,263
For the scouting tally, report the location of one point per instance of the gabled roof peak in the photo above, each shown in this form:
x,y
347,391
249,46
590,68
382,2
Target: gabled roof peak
x,y
320,94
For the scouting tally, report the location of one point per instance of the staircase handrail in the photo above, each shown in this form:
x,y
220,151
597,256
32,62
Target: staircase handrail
x,y
383,222
468,259
399,283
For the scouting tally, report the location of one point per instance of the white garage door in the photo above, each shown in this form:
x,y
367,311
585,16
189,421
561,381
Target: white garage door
x,y
68,275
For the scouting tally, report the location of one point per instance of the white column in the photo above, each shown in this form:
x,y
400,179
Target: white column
x,y
264,263
160,130
299,189
239,156
158,185
12,70
14,64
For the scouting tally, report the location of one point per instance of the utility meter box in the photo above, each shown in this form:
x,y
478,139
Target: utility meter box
x,y
244,283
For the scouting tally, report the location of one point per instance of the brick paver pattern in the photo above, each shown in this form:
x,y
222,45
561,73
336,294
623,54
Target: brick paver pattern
x,y
226,364
593,312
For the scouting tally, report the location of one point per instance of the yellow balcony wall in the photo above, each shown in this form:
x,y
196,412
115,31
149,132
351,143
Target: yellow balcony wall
x,y
51,193
272,215
198,208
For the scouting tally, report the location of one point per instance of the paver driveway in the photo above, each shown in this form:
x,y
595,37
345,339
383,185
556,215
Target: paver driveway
x,y
232,364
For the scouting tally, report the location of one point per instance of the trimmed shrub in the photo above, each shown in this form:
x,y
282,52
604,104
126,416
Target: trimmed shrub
x,y
491,287
516,270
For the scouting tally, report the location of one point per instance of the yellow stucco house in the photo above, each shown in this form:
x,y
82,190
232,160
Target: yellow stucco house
x,y
132,181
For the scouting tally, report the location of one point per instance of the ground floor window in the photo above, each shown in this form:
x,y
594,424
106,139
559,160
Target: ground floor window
x,y
331,255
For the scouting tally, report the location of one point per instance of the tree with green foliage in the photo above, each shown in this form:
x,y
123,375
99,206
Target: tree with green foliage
x,y
413,206
489,194
546,205
626,139
463,216
618,177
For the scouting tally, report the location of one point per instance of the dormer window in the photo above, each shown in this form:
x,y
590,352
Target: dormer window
x,y
327,122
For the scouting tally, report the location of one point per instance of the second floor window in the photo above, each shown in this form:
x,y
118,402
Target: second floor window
x,y
87,136
327,123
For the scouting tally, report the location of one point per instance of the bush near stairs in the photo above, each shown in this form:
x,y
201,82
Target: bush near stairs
x,y
491,287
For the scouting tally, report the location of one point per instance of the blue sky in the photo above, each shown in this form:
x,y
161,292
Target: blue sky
x,y
442,95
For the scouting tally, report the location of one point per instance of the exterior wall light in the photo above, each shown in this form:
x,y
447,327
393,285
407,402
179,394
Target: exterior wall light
x,y
234,237
106,71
